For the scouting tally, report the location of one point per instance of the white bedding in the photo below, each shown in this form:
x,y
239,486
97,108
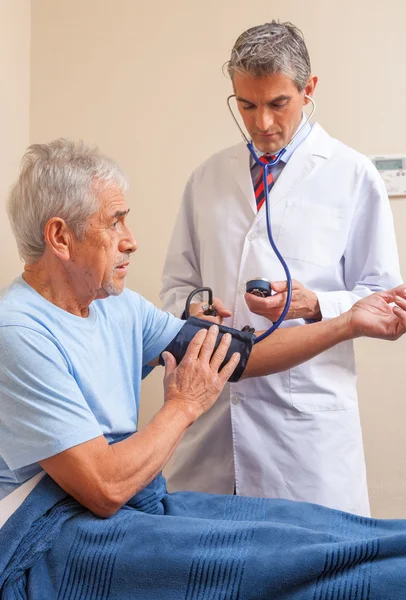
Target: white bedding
x,y
10,503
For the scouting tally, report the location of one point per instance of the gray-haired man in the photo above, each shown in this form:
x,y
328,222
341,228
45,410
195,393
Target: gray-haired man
x,y
295,434
74,344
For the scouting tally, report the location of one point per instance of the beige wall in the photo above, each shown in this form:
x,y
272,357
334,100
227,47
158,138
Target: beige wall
x,y
144,82
15,31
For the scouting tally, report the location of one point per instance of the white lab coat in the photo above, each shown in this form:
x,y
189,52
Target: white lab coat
x,y
295,434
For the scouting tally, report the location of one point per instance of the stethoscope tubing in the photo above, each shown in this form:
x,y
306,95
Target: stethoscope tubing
x,y
266,167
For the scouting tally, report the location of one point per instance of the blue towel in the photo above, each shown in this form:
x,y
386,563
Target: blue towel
x,y
194,546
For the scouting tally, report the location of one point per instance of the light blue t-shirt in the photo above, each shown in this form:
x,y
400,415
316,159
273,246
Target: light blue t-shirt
x,y
64,379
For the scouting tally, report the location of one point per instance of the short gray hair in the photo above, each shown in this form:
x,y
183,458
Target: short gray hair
x,y
271,48
59,179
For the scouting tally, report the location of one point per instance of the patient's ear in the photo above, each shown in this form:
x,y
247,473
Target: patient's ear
x,y
58,237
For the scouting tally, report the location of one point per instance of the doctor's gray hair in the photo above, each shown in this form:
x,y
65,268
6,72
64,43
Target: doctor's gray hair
x,y
60,179
271,48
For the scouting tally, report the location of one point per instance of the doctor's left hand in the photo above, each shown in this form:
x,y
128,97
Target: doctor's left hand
x,y
304,304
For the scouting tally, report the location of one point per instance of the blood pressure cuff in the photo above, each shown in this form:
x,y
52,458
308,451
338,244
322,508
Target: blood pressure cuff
x,y
241,341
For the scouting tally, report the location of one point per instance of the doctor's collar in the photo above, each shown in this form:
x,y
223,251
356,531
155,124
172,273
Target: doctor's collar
x,y
300,138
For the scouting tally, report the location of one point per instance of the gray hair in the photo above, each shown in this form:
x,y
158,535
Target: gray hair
x,y
59,179
271,48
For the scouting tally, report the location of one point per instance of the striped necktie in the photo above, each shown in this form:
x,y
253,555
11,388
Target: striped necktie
x,y
259,183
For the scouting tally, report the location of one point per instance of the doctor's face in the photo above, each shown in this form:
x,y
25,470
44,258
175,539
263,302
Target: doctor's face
x,y
271,108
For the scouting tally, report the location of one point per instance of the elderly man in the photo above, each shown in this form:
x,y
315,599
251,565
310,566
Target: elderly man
x,y
74,345
296,434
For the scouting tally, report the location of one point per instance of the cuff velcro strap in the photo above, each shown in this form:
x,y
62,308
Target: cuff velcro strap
x,y
241,341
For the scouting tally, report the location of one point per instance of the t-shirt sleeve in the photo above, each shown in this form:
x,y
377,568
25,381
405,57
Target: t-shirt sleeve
x,y
41,404
158,328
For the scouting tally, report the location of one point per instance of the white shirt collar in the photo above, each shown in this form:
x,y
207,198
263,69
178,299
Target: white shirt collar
x,y
304,132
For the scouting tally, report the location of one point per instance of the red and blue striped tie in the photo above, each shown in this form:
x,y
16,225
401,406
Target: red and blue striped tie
x,y
259,183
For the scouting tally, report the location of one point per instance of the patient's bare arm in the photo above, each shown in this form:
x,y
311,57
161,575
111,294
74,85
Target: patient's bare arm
x,y
103,477
372,317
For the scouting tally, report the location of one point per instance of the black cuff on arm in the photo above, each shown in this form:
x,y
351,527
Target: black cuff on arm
x,y
242,342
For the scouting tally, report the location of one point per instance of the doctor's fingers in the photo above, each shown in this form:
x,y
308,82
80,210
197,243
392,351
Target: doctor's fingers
x,y
220,308
261,306
197,310
282,286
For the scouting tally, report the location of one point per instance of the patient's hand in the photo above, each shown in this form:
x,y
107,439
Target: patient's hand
x,y
196,382
374,316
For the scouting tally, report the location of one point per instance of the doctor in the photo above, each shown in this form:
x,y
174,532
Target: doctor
x,y
295,434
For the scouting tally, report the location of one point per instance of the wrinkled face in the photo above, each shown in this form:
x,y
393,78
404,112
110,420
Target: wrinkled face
x,y
271,108
102,257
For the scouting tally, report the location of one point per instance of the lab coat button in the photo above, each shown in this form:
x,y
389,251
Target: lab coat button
x,y
235,400
242,289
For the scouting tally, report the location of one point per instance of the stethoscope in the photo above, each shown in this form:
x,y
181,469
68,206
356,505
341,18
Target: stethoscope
x,y
265,167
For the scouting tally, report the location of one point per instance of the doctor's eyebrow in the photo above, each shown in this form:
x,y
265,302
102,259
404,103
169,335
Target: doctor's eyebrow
x,y
280,98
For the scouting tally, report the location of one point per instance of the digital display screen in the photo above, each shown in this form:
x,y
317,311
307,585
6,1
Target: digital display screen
x,y
390,164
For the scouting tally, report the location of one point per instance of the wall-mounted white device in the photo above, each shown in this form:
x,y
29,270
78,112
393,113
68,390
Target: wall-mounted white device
x,y
392,167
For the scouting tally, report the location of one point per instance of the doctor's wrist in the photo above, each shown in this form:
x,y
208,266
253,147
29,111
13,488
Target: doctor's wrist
x,y
315,311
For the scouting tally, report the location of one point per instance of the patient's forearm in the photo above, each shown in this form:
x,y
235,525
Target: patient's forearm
x,y
286,348
103,477
144,454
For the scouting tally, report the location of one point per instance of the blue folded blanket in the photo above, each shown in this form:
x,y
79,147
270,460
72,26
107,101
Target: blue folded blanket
x,y
193,546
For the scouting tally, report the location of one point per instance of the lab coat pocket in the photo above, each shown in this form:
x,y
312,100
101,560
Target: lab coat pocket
x,y
325,383
312,233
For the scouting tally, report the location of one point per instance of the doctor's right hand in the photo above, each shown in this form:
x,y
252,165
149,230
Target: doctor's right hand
x,y
197,310
196,383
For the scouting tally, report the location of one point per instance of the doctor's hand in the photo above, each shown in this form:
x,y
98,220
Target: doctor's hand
x,y
196,383
381,315
304,303
197,310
